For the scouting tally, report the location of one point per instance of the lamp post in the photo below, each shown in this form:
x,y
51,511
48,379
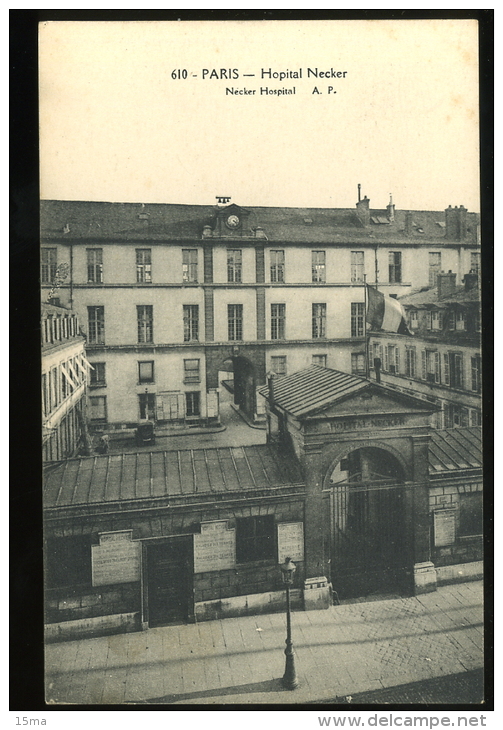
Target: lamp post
x,y
289,680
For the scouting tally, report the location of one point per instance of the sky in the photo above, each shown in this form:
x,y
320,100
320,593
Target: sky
x,y
401,118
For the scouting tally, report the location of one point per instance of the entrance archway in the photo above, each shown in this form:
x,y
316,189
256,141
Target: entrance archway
x,y
370,547
242,383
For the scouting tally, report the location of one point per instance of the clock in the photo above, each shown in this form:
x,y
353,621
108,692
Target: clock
x,y
232,221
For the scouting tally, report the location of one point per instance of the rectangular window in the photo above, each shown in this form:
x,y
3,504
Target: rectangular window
x,y
413,319
357,266
456,370
357,362
476,373
456,416
277,321
98,375
410,362
277,266
144,265
255,539
146,371
357,319
95,265
278,364
475,262
96,325
234,266
189,265
434,267
319,321
146,402
475,417
48,265
460,320
431,366
145,316
436,320
451,320
470,514
235,321
45,399
190,322
320,360
191,371
193,403
395,267
377,354
68,561
392,359
318,267
98,407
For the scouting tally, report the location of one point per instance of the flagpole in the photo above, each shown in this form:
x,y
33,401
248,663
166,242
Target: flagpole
x,y
367,361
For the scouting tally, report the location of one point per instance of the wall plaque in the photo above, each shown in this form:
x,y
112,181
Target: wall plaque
x,y
215,547
444,527
290,541
116,559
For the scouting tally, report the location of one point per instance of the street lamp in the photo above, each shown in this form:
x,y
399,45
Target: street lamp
x,y
289,680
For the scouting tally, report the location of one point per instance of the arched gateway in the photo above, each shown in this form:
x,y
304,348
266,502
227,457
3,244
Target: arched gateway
x,y
364,453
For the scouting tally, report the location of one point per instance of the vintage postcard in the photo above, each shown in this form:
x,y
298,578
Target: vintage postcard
x,y
261,362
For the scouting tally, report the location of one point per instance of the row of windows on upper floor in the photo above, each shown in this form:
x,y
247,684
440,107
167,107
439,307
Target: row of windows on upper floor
x,y
235,319
453,369
61,381
57,328
453,319
190,272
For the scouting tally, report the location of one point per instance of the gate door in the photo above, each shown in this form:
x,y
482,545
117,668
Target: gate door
x,y
369,550
169,581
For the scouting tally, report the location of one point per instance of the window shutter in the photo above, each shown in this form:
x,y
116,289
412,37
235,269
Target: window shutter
x,y
447,371
397,359
423,361
386,358
437,367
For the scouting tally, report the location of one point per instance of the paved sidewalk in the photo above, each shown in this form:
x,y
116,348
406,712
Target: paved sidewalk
x,y
340,652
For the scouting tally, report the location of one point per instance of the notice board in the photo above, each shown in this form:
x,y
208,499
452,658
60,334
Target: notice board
x,y
116,559
444,527
215,547
290,541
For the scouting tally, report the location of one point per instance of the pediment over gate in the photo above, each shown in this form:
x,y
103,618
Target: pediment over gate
x,y
373,400
323,393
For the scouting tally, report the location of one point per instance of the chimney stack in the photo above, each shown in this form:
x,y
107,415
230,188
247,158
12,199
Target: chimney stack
x,y
359,192
446,284
455,223
471,280
391,209
363,210
408,223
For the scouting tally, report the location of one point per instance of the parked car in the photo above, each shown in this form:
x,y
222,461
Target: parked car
x,y
145,433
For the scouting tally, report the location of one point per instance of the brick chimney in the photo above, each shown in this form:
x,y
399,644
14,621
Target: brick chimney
x,y
408,223
471,280
391,209
363,210
455,223
446,283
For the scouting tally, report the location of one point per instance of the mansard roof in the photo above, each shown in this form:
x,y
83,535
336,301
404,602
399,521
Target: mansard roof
x,y
73,220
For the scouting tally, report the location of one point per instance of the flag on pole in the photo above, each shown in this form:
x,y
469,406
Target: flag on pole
x,y
385,313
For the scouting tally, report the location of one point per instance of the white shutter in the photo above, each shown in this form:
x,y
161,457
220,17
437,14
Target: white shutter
x,y
423,361
447,370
